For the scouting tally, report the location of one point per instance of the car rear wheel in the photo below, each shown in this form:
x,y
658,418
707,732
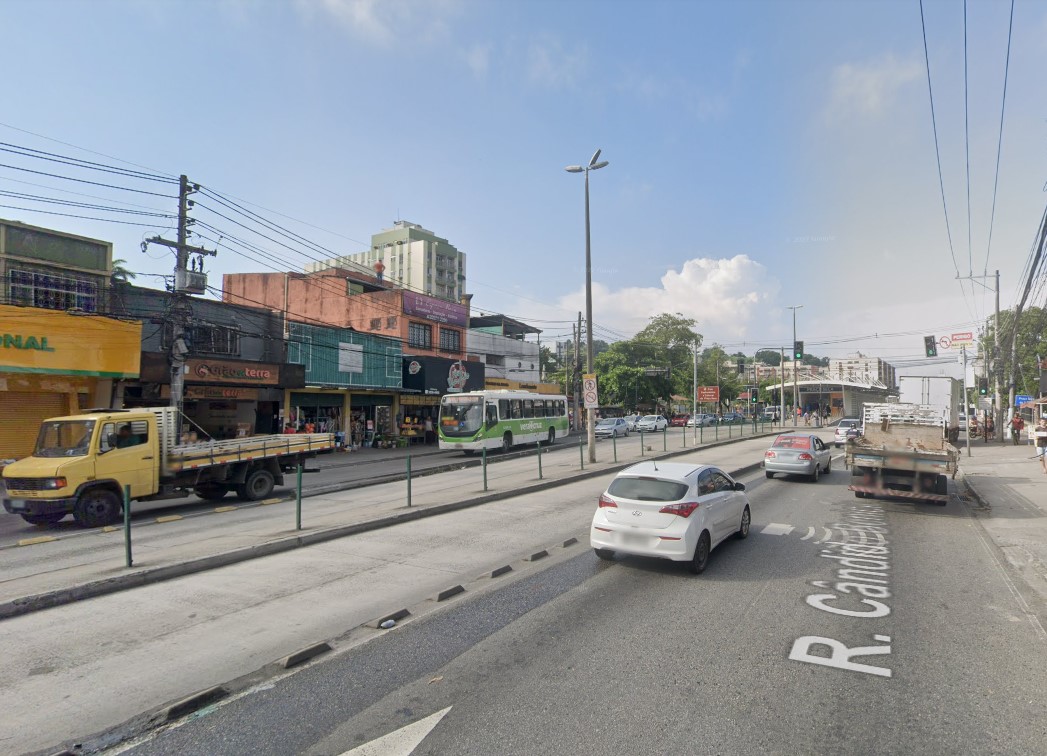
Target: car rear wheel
x,y
829,466
700,560
817,473
743,529
768,473
605,554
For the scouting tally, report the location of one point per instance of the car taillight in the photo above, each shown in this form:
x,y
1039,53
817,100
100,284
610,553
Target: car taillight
x,y
683,510
770,455
805,457
607,502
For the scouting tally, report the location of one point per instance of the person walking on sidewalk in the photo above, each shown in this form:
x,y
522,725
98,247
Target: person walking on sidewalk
x,y
1016,427
1040,432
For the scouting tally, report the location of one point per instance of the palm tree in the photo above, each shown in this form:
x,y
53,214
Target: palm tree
x,y
120,274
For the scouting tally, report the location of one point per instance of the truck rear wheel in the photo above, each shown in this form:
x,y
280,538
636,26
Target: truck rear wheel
x,y
97,508
43,519
211,491
259,484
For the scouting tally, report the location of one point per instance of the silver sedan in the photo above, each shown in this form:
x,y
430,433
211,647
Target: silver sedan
x,y
798,454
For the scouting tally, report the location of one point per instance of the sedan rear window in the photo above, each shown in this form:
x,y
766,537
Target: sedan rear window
x,y
793,442
647,489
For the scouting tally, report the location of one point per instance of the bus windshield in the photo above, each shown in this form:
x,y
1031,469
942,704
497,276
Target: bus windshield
x,y
70,438
461,415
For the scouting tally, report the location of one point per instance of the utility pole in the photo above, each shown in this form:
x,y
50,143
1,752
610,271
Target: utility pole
x,y
781,397
996,372
694,394
186,282
963,351
796,390
574,373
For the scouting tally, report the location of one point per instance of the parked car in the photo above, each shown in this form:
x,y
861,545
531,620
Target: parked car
x,y
849,427
669,510
701,420
732,417
650,423
631,421
771,414
611,427
679,421
799,454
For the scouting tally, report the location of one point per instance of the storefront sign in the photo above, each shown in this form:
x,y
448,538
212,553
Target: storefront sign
x,y
413,367
215,371
440,375
457,376
435,310
221,392
56,342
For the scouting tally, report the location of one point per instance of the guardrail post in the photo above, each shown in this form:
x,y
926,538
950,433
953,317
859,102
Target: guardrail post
x,y
127,526
716,431
581,453
298,498
665,436
408,477
685,437
614,445
539,443
483,454
729,429
641,443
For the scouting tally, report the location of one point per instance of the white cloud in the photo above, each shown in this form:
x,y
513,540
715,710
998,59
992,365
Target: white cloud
x,y
726,296
478,58
549,64
868,89
381,22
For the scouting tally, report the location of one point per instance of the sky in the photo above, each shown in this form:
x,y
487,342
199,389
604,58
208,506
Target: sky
x,y
761,154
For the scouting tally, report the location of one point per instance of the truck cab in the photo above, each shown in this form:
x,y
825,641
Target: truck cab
x,y
80,465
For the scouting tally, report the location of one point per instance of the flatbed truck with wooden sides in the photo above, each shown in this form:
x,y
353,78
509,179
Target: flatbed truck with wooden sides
x,y
903,451
82,463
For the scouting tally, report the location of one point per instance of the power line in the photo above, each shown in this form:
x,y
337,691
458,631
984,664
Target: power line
x,y
83,205
85,181
53,157
85,217
999,144
967,144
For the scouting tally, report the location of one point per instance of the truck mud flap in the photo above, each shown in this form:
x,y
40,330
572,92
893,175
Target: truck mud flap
x,y
923,496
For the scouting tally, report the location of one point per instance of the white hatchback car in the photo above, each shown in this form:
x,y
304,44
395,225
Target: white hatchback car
x,y
610,427
669,510
649,423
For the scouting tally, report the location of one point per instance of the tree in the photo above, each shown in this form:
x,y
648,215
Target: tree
x,y
1030,341
120,274
769,357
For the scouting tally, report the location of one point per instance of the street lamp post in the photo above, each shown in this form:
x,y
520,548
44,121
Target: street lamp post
x,y
590,412
796,395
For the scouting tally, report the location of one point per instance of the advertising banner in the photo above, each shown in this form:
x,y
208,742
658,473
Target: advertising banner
x,y
435,310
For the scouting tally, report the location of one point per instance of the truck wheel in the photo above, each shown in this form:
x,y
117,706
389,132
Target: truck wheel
x,y
211,491
941,485
43,519
507,442
259,484
97,508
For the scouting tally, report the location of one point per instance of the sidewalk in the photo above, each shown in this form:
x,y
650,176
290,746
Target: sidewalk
x,y
1009,499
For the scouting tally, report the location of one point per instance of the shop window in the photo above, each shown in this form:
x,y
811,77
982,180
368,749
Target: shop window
x,y
420,335
450,340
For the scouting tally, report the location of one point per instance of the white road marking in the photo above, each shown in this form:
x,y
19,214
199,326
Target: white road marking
x,y
828,535
777,528
810,533
400,742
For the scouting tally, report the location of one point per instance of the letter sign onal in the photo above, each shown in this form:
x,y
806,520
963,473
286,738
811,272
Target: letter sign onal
x,y
840,655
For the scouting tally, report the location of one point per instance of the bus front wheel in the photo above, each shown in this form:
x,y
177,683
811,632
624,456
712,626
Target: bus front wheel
x,y
507,442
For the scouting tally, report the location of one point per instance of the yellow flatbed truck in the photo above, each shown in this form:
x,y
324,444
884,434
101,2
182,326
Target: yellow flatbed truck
x,y
81,464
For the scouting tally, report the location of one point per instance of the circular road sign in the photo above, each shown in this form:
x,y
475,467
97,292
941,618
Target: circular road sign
x,y
944,342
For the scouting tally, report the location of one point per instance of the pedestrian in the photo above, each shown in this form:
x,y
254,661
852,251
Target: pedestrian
x,y
1040,432
1016,427
429,435
806,418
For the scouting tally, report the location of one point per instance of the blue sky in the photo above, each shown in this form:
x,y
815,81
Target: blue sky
x,y
762,154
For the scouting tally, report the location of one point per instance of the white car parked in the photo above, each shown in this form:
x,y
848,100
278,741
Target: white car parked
x,y
610,427
669,510
649,423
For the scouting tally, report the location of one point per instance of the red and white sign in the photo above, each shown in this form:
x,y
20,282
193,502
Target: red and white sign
x,y
589,393
708,393
964,339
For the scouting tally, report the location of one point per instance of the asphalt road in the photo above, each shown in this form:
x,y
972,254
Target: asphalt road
x,y
781,646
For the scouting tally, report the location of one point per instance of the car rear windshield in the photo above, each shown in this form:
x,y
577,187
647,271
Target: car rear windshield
x,y
793,442
848,423
647,489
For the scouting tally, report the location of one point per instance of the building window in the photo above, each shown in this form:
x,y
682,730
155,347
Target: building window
x,y
207,339
390,322
376,324
53,292
420,335
450,340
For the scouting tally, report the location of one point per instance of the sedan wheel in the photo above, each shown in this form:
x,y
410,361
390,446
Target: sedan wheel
x,y
700,560
829,466
605,554
817,473
768,473
743,529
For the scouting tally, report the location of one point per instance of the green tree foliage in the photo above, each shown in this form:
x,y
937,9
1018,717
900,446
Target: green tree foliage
x,y
769,357
1031,343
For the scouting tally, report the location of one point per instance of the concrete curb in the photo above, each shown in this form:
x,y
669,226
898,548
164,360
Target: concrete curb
x,y
304,655
37,602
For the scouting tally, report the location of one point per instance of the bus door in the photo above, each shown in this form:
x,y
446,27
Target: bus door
x,y
491,420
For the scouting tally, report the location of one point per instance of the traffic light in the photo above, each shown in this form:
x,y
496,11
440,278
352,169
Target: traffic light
x,y
983,386
798,350
930,344
753,395
741,366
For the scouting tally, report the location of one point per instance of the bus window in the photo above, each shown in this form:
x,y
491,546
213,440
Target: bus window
x,y
517,410
492,416
503,409
545,409
561,408
528,408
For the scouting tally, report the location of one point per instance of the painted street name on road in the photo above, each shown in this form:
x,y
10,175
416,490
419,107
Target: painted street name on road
x,y
863,564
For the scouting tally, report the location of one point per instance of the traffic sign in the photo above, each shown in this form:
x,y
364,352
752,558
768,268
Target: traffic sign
x,y
945,342
589,393
964,339
708,393
1021,399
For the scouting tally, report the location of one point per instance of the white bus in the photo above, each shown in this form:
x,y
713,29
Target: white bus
x,y
501,419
